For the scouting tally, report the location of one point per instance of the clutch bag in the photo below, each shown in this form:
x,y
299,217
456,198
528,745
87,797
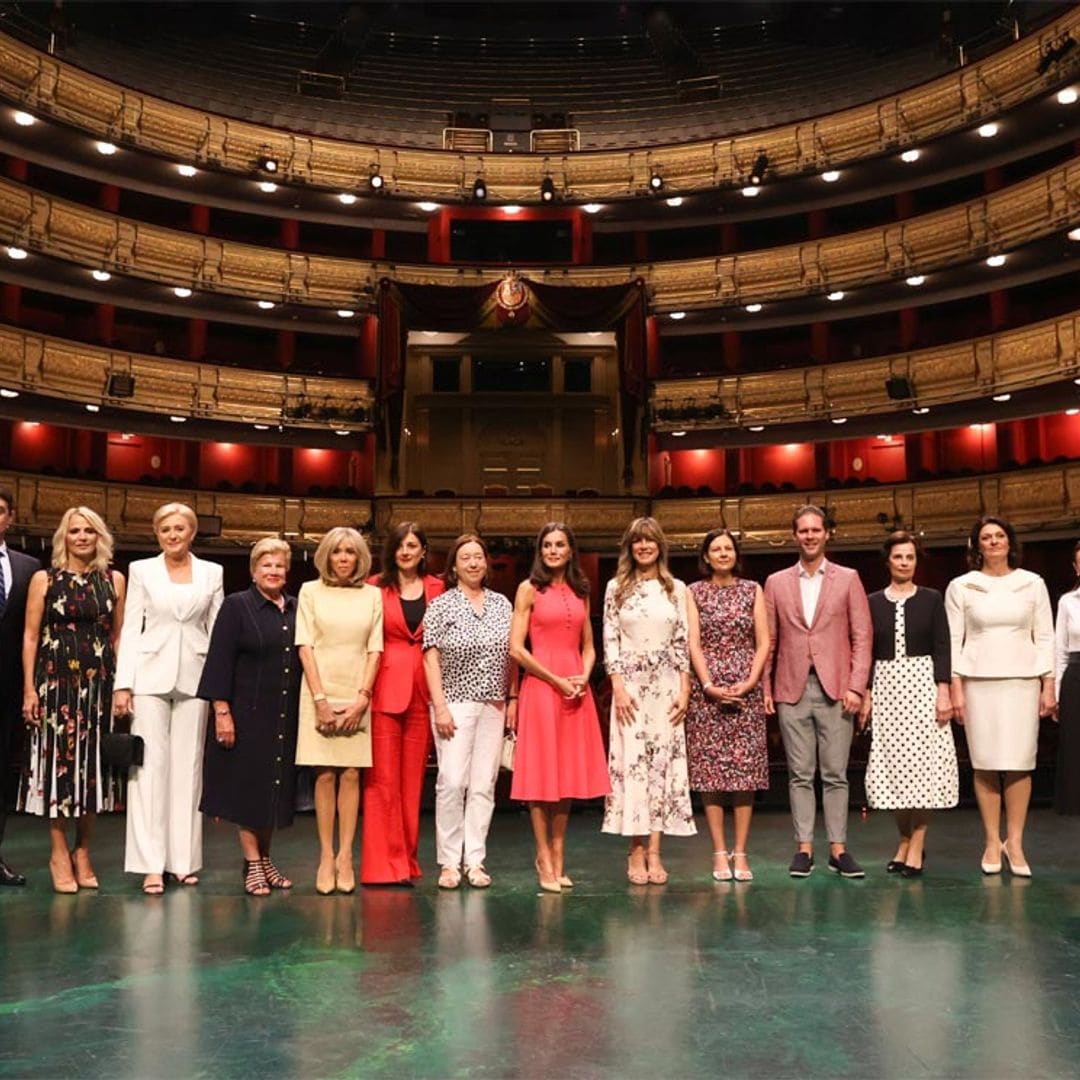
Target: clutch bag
x,y
120,750
509,745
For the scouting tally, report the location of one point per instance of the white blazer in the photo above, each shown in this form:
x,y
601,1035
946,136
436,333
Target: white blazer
x,y
166,629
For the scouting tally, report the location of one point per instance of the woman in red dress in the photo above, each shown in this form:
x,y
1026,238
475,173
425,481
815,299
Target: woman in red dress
x,y
560,754
400,722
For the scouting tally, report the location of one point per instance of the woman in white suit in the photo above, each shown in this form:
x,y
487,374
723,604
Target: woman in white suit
x,y
173,601
1002,681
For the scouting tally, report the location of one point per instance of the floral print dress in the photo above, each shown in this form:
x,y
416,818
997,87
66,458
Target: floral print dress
x,y
74,678
645,641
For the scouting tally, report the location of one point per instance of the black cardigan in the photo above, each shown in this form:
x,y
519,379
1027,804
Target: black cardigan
x,y
926,629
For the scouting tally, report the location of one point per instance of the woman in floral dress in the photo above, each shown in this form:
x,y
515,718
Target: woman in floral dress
x,y
725,725
645,653
74,611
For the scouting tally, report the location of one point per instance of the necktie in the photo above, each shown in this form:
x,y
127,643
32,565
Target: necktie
x,y
3,588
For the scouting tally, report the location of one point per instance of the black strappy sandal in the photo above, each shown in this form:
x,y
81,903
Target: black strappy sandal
x,y
255,883
274,877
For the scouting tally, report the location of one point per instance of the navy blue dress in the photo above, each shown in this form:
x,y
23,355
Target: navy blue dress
x,y
252,664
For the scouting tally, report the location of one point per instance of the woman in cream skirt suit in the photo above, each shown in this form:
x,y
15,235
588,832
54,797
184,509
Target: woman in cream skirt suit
x,y
339,634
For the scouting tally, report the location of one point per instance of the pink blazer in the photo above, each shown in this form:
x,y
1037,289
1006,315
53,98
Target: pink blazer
x,y
401,669
838,644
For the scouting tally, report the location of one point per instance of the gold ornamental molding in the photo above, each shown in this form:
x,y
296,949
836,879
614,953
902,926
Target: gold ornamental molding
x,y
72,371
1034,355
1035,500
45,85
1027,211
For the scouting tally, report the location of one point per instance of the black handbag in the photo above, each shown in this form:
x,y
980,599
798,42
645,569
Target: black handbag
x,y
120,749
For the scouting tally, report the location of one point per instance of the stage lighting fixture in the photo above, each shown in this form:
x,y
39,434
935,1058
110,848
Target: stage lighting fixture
x,y
23,119
757,173
375,180
186,170
656,182
479,189
266,163
547,189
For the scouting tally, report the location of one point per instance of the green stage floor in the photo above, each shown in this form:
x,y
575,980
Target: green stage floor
x,y
955,975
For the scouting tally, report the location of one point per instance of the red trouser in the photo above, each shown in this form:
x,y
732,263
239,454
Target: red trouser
x,y
400,744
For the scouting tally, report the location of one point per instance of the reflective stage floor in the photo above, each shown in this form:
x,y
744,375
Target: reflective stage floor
x,y
955,975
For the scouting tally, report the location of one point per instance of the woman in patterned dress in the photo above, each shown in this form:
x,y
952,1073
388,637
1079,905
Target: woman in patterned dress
x,y
74,612
646,655
912,766
725,725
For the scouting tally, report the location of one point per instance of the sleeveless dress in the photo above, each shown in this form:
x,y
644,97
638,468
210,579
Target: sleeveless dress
x,y
725,744
560,754
74,678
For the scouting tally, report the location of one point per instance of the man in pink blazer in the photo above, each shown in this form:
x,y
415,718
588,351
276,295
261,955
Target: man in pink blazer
x,y
815,679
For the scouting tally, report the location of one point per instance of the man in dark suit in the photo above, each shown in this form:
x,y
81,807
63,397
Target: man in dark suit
x,y
16,569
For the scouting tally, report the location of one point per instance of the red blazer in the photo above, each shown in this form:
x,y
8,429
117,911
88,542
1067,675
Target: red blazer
x,y
838,644
401,669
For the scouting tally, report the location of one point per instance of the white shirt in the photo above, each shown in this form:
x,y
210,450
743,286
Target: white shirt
x,y
810,588
5,569
1066,634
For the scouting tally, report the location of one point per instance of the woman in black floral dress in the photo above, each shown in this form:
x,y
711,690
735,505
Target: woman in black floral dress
x,y
73,615
725,724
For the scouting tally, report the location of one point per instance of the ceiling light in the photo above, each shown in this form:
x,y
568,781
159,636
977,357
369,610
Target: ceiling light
x,y
750,191
101,275
182,291
675,200
178,419
428,207
996,260
512,209
345,313
915,280
761,163
656,182
922,410
266,305
1068,412
93,408
831,176
676,315
266,163
756,427
677,434
1067,96
1074,234
1001,398
342,431
592,208
909,157
23,119
5,392
834,296
267,186
261,427
988,131
186,170
753,308
547,189
375,180
17,253
839,419
479,189
106,148
347,198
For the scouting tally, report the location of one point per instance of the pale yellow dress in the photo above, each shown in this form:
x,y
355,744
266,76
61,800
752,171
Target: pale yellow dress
x,y
342,625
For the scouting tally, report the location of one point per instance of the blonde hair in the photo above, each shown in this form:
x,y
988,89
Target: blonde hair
x,y
103,553
336,537
626,573
269,545
185,511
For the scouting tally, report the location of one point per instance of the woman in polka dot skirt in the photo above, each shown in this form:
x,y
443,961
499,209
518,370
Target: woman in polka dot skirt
x,y
912,768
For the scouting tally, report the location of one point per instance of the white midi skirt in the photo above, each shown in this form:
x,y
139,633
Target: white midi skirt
x,y
1002,723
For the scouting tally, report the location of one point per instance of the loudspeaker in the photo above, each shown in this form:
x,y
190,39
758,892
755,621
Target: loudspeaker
x,y
121,385
209,524
899,388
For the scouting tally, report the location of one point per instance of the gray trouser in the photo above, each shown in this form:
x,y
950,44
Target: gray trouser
x,y
817,734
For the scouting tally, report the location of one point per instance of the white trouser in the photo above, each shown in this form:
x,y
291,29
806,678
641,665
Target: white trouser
x,y
164,826
465,787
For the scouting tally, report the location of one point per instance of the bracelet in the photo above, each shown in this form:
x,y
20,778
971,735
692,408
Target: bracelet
x,y
363,690
318,697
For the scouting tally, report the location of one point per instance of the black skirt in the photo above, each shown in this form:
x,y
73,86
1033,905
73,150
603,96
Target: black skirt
x,y
1067,778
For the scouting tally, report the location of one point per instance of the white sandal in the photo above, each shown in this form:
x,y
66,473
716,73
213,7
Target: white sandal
x,y
742,875
449,877
478,877
725,874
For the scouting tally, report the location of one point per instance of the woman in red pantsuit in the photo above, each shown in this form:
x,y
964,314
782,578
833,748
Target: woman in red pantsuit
x,y
400,720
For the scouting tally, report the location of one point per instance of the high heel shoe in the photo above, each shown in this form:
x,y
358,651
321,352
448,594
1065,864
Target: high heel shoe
x,y
566,882
1016,869
724,873
550,884
345,880
61,881
989,868
255,883
324,882
743,875
636,875
85,877
657,874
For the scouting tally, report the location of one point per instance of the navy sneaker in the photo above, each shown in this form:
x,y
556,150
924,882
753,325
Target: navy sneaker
x,y
846,866
802,865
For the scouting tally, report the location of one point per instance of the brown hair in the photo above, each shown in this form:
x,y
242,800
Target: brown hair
x,y
808,508
975,559
647,528
901,536
706,543
540,576
450,573
388,574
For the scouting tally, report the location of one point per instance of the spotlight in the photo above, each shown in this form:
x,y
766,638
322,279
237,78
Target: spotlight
x,y
674,201
345,313
106,149
831,176
678,434
1074,234
178,419
839,419
24,119
547,189
756,427
922,410
268,187
909,157
101,275
182,291
266,305
346,198
915,280
753,308
834,296
656,182
677,315
512,209
1002,398
988,131
750,191
757,173
17,253
1067,96
186,170
428,207
266,163
93,408
479,189
375,180
5,392
592,208
996,260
